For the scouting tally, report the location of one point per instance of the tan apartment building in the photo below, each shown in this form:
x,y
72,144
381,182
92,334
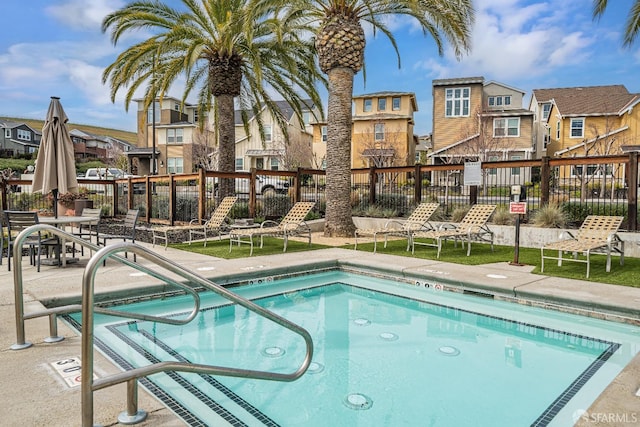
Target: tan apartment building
x,y
382,131
181,146
585,121
478,120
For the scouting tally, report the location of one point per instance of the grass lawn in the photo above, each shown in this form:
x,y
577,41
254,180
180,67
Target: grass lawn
x,y
626,275
220,248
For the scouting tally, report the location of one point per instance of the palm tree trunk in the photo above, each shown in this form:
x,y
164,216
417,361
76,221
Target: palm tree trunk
x,y
338,221
227,151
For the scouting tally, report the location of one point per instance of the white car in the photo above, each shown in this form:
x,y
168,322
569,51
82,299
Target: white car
x,y
106,173
265,185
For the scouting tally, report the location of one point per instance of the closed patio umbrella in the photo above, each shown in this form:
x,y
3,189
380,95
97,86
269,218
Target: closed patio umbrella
x,y
55,166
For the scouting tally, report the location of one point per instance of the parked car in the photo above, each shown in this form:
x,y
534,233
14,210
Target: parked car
x,y
265,185
106,173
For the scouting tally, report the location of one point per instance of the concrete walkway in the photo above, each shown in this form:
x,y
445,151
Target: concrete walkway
x,y
33,393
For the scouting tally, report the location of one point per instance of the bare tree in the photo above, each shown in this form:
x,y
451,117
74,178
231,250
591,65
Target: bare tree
x,y
381,147
205,150
605,143
297,153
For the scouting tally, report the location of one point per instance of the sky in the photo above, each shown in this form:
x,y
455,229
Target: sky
x,y
57,48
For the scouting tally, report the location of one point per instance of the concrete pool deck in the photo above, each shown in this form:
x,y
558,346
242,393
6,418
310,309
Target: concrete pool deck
x,y
34,394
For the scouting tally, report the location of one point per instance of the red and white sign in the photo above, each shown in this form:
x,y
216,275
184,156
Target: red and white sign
x,y
518,208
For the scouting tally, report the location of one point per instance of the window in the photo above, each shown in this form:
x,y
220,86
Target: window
x,y
592,170
260,163
546,109
558,130
151,110
457,102
174,136
493,171
395,103
499,100
239,164
379,132
382,104
176,106
506,127
323,131
306,117
267,133
515,171
324,164
367,105
7,133
24,135
274,164
195,116
577,128
175,165
547,138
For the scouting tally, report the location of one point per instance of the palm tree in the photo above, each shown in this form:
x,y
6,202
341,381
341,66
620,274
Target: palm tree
x,y
226,50
340,43
633,21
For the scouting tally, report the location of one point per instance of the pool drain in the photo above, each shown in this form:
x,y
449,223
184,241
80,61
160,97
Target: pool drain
x,y
315,368
362,322
273,352
358,401
447,350
388,336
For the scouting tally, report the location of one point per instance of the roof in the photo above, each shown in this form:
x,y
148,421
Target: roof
x,y
384,93
378,152
458,81
587,100
284,106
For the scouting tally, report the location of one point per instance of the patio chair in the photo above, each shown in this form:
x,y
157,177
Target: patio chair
x,y
473,227
597,234
88,230
16,221
417,221
213,226
291,225
125,232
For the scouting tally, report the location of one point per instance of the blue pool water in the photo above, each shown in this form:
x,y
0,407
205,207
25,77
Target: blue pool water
x,y
385,354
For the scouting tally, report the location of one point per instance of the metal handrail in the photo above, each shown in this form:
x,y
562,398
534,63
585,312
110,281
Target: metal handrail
x,y
20,316
133,415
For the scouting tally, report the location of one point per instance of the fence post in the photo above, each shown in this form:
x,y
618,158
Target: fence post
x,y
372,185
417,187
252,194
632,191
473,195
172,199
545,179
298,186
202,194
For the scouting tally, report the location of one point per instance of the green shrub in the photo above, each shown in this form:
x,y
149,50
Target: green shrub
x,y
501,216
551,215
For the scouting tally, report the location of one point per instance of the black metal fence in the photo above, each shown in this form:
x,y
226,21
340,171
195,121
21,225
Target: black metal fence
x,y
582,186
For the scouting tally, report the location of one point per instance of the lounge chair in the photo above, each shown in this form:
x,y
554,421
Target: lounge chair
x,y
16,222
417,221
213,226
597,234
291,225
125,231
473,227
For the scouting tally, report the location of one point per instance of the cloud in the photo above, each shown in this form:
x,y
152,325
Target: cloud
x,y
83,14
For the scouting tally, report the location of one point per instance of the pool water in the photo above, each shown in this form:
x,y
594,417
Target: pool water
x,y
386,353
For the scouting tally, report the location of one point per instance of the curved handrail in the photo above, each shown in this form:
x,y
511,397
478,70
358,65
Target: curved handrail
x,y
89,385
20,316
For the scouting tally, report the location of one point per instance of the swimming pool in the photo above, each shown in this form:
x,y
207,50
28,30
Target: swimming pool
x,y
387,353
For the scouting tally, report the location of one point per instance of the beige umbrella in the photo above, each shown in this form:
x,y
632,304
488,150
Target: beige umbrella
x,y
55,166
